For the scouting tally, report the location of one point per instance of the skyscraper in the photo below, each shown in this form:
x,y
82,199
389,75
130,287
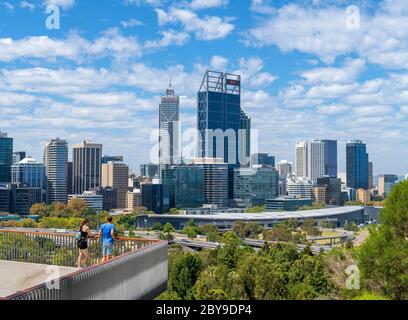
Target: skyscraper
x,y
219,121
357,165
18,156
263,159
330,158
385,183
29,173
245,141
56,164
150,170
302,154
6,157
370,175
169,118
115,175
86,166
317,163
285,168
107,159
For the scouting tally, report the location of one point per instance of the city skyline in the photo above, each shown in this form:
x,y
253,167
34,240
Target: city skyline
x,y
102,81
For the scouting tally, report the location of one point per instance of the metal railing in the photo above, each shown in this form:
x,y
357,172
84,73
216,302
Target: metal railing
x,y
58,249
139,269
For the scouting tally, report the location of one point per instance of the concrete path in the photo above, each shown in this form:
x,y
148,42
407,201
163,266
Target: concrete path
x,y
18,276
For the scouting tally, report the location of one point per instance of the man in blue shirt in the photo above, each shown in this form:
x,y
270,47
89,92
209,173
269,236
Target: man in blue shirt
x,y
107,234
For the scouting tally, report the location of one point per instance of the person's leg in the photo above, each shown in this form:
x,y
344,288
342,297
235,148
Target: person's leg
x,y
79,259
104,252
85,253
109,252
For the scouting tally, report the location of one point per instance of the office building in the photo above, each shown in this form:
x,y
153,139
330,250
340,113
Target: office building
x,y
285,168
109,197
299,188
216,176
150,170
170,130
189,186
29,173
283,191
330,158
18,156
370,175
385,184
333,190
256,184
168,178
262,159
5,198
56,165
24,198
319,195
86,167
69,177
116,175
302,155
219,121
155,197
316,159
287,204
363,196
6,157
107,159
134,199
357,165
93,200
244,139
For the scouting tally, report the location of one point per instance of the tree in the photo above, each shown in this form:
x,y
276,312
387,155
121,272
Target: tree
x,y
383,258
168,228
174,211
39,209
157,227
59,210
280,232
77,207
351,227
240,229
191,229
184,275
257,209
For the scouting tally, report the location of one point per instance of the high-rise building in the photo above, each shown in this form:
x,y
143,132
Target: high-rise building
x,y
245,141
170,130
18,156
155,197
363,195
262,159
256,184
333,190
69,177
285,168
219,121
109,197
115,175
317,157
6,157
302,155
56,164
86,167
319,195
189,191
150,170
370,175
385,183
357,165
107,159
330,158
134,199
168,178
216,174
29,173
299,188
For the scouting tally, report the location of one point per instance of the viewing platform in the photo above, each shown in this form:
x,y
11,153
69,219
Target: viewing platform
x,y
42,266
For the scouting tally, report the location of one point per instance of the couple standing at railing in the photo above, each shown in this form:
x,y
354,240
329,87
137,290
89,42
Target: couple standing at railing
x,y
107,235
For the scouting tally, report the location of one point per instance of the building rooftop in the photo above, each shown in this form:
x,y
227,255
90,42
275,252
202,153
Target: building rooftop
x,y
279,215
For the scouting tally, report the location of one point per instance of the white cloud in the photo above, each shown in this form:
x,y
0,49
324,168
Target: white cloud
x,y
169,37
131,23
27,5
8,6
219,63
252,74
65,4
207,4
206,28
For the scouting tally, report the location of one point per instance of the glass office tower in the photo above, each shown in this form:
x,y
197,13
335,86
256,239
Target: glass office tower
x,y
6,157
220,121
189,186
330,155
357,165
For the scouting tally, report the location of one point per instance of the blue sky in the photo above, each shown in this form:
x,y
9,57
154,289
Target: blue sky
x,y
306,72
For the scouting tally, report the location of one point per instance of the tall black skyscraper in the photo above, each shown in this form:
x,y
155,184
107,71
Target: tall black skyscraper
x,y
6,157
357,165
330,158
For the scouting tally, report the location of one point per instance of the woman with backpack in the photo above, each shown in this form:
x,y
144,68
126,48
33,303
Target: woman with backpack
x,y
82,241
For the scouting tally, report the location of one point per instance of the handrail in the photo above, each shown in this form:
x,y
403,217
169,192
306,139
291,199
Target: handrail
x,y
58,248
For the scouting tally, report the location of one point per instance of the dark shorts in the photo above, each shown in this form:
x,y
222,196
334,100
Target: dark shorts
x,y
82,244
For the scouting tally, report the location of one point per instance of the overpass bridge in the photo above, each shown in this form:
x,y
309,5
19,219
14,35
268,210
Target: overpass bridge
x,y
138,271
